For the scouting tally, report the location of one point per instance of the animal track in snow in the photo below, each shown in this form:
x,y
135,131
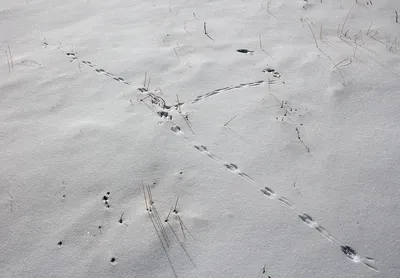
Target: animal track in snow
x,y
307,219
313,224
218,91
352,255
271,194
204,150
273,72
349,252
109,74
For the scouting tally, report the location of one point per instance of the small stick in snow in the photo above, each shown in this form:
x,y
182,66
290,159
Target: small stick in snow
x,y
161,227
145,199
169,213
11,202
391,46
8,62
315,40
264,271
185,118
345,20
298,133
177,56
194,15
148,84
269,11
145,79
179,104
120,219
184,26
355,50
397,17
176,204
261,46
229,121
151,202
349,62
320,32
369,29
205,31
12,62
298,137
169,8
316,44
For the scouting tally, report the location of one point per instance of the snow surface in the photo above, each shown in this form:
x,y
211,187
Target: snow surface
x,y
76,123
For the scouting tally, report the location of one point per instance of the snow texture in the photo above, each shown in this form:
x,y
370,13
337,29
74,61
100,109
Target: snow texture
x,y
199,138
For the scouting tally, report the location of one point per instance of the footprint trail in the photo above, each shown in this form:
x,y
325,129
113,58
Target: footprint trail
x,y
270,193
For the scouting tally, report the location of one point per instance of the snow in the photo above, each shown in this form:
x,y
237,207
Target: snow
x,y
79,133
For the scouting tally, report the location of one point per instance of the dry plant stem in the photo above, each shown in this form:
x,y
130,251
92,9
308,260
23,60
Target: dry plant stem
x,y
176,54
148,84
11,203
179,104
230,120
184,25
261,46
145,199
8,62
316,44
312,32
269,11
305,146
395,40
169,8
11,58
349,62
397,17
205,31
369,29
176,204
150,196
345,20
184,118
161,227
169,213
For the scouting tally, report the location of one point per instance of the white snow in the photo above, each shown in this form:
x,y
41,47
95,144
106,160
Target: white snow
x,y
76,124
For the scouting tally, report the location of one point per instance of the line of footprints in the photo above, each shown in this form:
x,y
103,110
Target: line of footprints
x,y
268,192
307,219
